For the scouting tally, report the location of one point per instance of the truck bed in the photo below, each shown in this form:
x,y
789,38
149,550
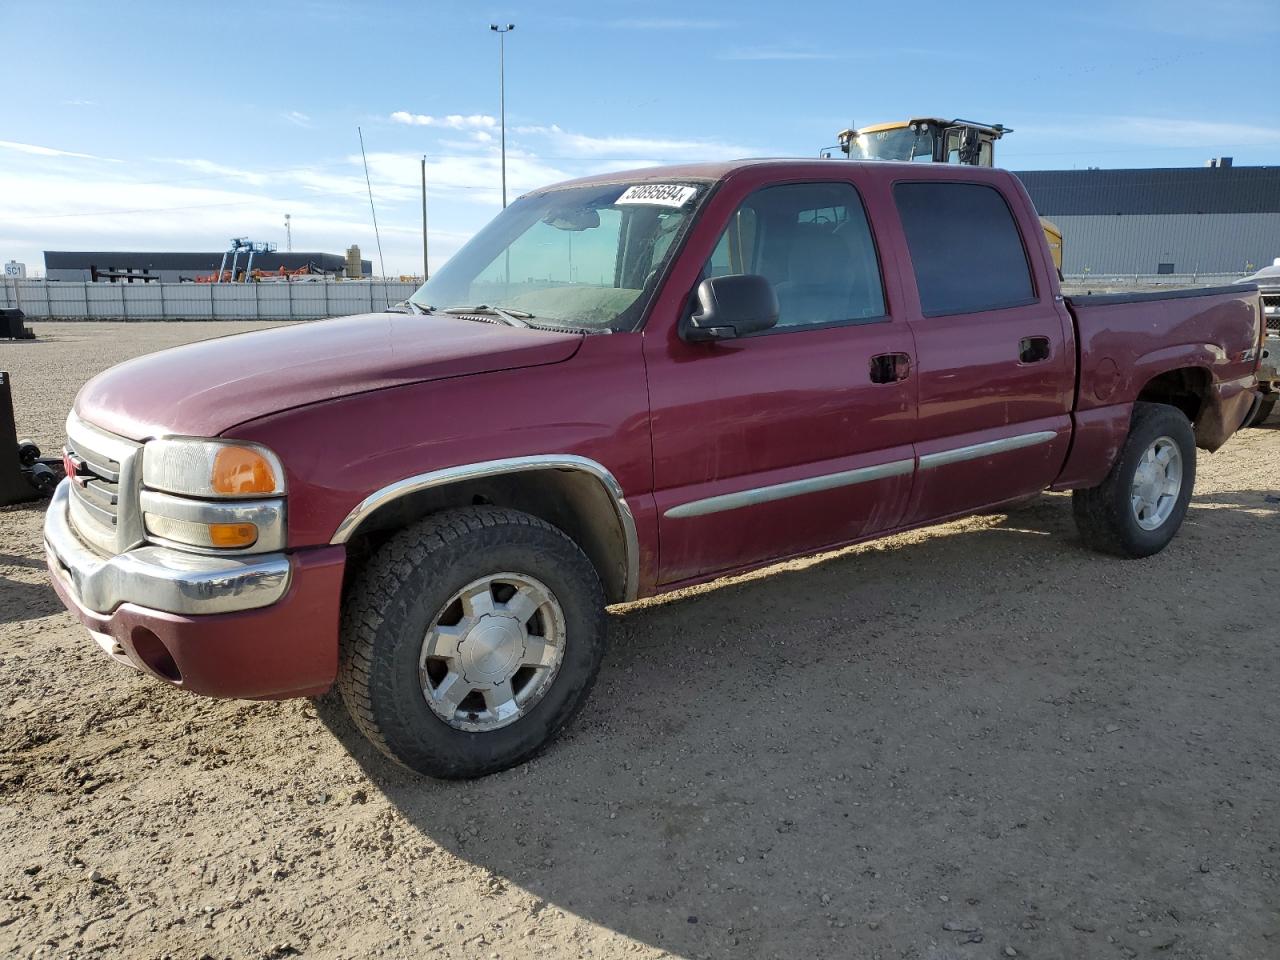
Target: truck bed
x,y
1173,346
1147,296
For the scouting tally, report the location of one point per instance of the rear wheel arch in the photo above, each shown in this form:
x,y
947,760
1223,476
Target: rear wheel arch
x,y
1186,388
577,495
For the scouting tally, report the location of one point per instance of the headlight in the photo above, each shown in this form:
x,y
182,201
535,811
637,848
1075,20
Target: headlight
x,y
211,468
213,496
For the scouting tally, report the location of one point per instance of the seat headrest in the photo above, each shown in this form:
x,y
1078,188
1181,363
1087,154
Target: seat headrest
x,y
818,258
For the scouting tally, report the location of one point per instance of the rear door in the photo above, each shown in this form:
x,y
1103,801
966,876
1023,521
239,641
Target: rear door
x,y
796,438
994,348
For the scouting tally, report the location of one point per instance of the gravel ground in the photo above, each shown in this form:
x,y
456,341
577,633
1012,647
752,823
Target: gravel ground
x,y
973,741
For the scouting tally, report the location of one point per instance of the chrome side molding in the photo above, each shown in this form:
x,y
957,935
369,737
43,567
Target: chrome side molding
x,y
792,488
495,468
847,478
976,451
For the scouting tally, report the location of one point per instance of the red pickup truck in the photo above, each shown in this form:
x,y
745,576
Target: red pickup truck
x,y
621,386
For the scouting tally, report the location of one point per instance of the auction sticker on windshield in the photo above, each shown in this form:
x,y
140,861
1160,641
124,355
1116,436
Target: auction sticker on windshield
x,y
658,194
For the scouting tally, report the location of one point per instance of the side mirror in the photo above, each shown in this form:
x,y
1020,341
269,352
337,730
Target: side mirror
x,y
730,307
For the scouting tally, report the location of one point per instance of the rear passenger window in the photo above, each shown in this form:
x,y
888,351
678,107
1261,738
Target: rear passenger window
x,y
813,243
965,247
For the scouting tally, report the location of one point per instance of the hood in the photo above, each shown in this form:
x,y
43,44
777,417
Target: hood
x,y
203,389
1266,278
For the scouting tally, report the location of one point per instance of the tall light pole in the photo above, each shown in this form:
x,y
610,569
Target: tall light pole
x,y
425,269
288,233
502,96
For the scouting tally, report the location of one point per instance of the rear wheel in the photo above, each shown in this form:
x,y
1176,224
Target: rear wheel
x,y
470,640
1139,507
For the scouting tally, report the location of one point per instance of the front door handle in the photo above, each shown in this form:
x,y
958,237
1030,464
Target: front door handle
x,y
1033,349
890,367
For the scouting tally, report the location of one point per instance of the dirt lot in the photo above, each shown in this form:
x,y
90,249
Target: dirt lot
x,y
975,741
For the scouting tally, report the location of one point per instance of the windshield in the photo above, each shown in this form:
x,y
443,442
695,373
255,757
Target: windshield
x,y
897,144
584,257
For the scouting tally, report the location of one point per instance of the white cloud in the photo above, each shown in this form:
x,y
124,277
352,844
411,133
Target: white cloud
x,y
473,178
569,145
1163,132
1145,129
775,53
57,211
218,171
298,117
196,203
39,151
1234,20
454,121
667,23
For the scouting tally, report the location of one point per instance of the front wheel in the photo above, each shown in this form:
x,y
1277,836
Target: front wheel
x,y
1139,507
469,640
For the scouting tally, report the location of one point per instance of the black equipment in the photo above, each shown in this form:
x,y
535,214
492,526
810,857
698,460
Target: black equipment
x,y
24,474
12,327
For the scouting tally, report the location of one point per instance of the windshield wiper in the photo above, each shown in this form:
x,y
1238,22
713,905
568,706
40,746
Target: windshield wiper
x,y
512,318
408,306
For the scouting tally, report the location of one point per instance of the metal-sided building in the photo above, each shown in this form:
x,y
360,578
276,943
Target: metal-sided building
x,y
140,267
1216,219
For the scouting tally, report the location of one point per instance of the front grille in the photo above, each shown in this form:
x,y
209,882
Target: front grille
x,y
1271,309
104,479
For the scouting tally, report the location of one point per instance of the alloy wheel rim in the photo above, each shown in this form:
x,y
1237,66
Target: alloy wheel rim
x,y
1156,484
492,652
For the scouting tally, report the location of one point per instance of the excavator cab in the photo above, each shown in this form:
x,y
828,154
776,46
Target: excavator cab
x,y
935,140
925,139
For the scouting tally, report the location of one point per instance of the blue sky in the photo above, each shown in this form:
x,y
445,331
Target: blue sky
x,y
174,126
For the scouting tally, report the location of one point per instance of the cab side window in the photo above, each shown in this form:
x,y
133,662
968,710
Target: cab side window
x,y
965,247
814,245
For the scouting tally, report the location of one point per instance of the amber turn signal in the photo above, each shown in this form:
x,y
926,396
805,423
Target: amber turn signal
x,y
239,470
232,534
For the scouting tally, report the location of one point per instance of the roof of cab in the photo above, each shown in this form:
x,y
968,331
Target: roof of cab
x,y
714,172
711,171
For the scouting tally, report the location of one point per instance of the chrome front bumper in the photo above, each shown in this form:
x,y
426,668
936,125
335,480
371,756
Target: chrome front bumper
x,y
171,581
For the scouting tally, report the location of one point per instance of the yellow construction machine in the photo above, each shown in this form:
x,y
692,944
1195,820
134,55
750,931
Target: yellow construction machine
x,y
935,140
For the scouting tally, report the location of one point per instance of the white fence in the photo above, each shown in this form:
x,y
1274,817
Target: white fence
x,y
276,300
316,299
1117,282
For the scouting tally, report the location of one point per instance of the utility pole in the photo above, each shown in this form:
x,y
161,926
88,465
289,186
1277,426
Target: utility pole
x,y
502,96
426,270
288,234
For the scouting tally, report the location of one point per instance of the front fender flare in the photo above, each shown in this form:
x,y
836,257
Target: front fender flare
x,y
494,468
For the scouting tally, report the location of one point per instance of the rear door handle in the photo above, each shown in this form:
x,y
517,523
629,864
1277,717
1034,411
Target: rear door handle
x,y
890,367
1033,349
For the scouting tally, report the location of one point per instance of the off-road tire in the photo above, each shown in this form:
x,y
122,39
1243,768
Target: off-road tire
x,y
401,588
1103,514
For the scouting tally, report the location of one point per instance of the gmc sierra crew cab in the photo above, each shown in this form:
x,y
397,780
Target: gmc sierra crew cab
x,y
622,385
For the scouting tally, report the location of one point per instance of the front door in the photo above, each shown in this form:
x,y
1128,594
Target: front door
x,y
796,438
